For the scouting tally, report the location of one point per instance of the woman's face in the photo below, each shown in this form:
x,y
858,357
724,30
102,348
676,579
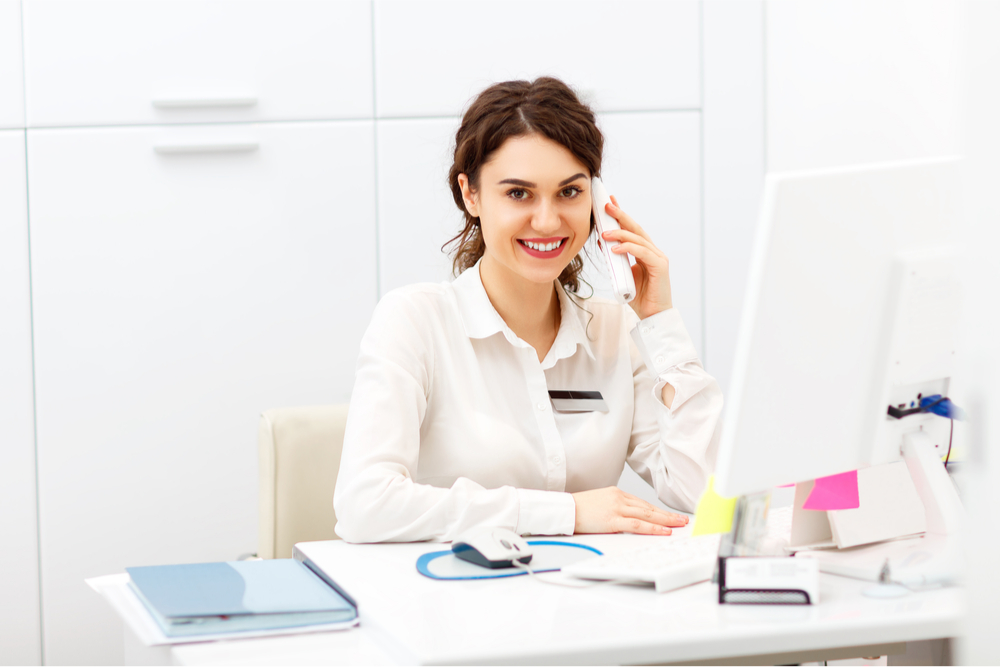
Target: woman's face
x,y
533,204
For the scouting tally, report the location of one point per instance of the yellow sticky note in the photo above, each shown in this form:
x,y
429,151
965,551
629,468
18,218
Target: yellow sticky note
x,y
714,513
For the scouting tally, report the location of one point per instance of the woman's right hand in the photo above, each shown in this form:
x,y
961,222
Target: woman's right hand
x,y
611,510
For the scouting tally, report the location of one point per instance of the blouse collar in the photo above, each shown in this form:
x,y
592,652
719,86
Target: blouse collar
x,y
481,319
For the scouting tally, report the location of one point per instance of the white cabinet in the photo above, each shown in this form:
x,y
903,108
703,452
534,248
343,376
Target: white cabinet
x,y
433,56
176,296
11,65
20,641
106,62
416,211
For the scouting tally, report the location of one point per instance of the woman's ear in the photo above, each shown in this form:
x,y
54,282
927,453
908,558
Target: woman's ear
x,y
471,198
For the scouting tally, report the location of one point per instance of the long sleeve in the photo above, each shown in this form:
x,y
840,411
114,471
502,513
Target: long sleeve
x,y
377,498
674,449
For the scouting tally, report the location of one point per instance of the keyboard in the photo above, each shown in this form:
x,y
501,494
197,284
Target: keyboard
x,y
671,564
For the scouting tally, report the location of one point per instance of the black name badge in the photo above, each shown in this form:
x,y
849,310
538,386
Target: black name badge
x,y
578,401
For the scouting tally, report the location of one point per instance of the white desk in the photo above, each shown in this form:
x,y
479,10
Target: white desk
x,y
408,618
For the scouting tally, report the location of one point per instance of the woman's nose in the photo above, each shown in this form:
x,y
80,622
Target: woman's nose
x,y
546,218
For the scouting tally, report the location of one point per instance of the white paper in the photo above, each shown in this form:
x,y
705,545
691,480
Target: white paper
x,y
115,589
890,508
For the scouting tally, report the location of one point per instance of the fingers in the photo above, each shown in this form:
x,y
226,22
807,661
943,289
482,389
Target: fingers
x,y
623,236
625,220
611,510
640,527
640,252
655,515
636,508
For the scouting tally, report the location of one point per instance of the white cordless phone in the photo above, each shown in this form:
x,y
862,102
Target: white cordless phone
x,y
622,282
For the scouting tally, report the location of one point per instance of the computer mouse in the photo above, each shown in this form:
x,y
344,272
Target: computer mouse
x,y
491,547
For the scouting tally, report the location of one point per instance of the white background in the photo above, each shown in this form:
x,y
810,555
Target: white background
x,y
165,300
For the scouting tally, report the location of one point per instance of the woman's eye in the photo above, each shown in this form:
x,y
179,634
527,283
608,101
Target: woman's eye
x,y
571,192
517,193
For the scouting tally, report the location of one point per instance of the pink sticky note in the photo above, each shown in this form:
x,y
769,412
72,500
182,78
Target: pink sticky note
x,y
836,492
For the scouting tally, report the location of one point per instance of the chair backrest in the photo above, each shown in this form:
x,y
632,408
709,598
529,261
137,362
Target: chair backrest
x,y
299,458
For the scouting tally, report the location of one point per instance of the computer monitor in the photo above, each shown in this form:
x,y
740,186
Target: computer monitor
x,y
851,306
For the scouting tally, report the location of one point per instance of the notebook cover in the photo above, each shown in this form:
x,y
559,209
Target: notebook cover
x,y
235,588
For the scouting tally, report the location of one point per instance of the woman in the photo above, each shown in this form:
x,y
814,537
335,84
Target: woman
x,y
451,425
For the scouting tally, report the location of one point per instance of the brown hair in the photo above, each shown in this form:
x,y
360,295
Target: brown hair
x,y
545,106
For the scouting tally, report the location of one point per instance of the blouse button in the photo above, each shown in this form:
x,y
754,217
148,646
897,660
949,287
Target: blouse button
x,y
659,361
645,330
541,406
557,460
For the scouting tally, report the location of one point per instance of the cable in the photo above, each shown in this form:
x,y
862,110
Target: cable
x,y
943,407
951,434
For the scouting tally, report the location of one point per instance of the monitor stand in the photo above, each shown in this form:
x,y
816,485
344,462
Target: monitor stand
x,y
942,505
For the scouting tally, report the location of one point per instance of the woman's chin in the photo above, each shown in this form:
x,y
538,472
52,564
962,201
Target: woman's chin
x,y
531,269
542,275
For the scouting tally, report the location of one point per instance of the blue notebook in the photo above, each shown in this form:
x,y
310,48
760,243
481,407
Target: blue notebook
x,y
208,598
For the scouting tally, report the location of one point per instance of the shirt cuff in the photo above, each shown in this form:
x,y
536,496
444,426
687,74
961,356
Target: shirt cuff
x,y
663,341
545,512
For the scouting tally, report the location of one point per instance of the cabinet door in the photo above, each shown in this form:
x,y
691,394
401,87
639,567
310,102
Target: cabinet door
x,y
622,55
416,211
11,65
184,280
107,62
20,641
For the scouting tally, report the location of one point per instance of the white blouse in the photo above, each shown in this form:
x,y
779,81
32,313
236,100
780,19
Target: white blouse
x,y
451,425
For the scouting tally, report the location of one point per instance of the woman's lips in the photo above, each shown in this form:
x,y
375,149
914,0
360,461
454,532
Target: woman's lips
x,y
543,254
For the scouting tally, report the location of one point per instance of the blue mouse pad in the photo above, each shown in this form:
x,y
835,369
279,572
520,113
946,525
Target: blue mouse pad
x,y
549,556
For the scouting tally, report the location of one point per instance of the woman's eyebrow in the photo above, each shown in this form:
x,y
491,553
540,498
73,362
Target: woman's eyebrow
x,y
571,179
529,184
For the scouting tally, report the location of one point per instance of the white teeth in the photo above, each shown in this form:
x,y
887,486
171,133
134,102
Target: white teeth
x,y
542,247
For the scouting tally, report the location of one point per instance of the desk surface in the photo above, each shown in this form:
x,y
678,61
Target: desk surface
x,y
408,618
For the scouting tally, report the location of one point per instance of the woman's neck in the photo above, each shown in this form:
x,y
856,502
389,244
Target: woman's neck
x,y
530,309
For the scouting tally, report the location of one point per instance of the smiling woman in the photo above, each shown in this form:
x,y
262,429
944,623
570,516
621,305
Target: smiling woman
x,y
451,424
544,109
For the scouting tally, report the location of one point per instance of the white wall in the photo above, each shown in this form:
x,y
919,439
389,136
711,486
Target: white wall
x,y
980,362
733,116
843,82
20,621
856,81
20,641
11,65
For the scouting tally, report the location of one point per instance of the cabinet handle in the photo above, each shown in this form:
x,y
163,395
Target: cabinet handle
x,y
203,102
244,146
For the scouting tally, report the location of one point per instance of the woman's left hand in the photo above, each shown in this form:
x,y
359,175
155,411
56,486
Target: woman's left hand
x,y
652,268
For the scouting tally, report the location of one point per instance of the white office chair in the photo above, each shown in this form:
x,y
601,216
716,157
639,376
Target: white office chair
x,y
299,457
